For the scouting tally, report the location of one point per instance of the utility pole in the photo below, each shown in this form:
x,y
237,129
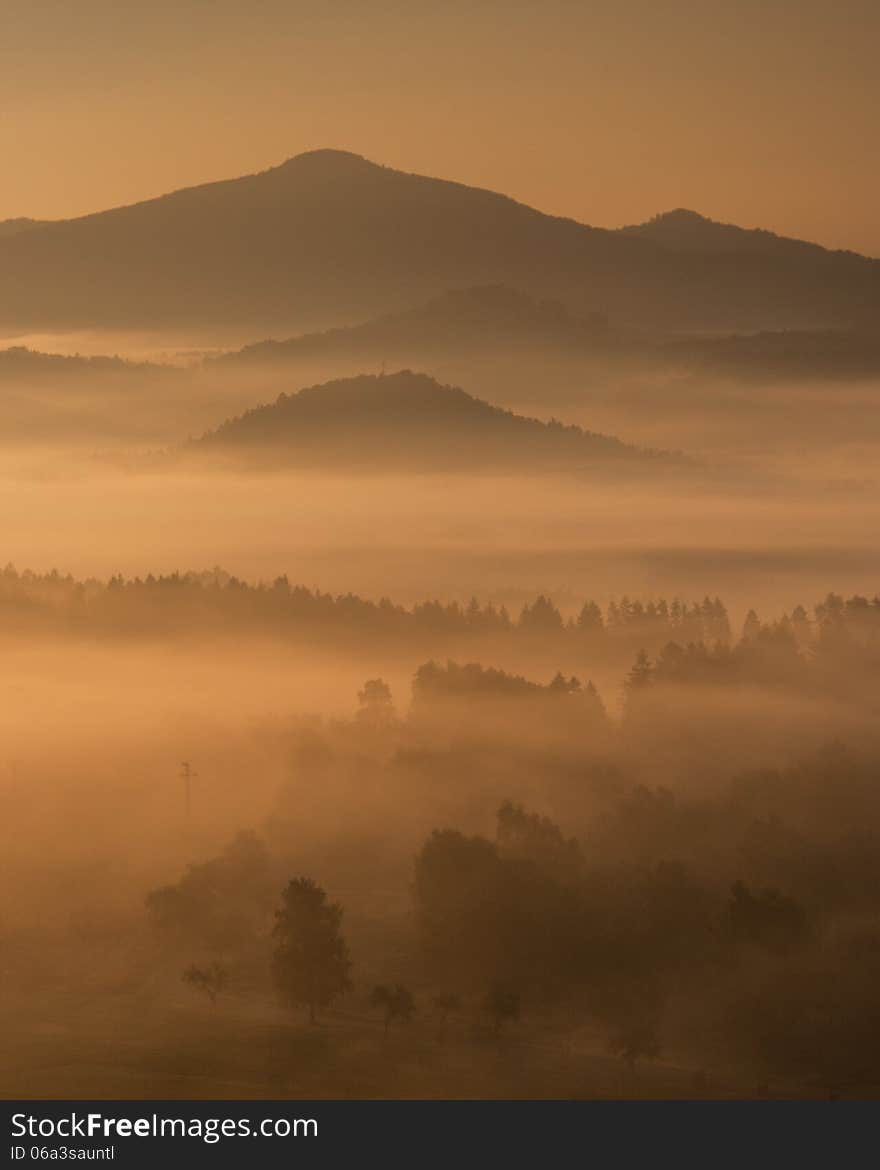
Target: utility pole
x,y
187,775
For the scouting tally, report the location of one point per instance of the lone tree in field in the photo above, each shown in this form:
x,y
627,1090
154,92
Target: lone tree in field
x,y
311,962
397,1003
210,980
376,707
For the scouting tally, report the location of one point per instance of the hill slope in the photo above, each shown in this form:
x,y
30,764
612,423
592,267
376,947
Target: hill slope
x,y
19,364
458,321
330,236
493,322
408,420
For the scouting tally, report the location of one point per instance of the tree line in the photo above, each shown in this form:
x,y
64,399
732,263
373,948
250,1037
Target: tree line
x,y
215,600
625,920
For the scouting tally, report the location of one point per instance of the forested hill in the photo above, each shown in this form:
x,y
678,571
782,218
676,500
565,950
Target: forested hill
x,y
493,322
409,420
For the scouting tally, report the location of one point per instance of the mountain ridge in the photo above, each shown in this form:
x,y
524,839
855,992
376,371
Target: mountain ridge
x,y
21,223
683,228
328,236
493,320
347,163
472,314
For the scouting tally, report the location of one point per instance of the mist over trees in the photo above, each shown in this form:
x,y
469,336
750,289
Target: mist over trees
x,y
213,600
563,783
574,874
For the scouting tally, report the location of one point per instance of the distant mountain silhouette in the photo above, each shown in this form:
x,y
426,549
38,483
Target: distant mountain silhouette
x,y
688,231
460,320
493,320
409,420
819,355
330,237
18,363
55,396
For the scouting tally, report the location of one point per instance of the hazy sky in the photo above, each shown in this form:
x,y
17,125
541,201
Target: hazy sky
x,y
762,113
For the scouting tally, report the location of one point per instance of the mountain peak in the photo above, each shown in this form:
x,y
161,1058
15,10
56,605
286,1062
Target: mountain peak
x,y
684,230
329,160
329,236
678,226
680,215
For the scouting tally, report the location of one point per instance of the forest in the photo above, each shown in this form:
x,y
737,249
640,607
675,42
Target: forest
x,y
495,884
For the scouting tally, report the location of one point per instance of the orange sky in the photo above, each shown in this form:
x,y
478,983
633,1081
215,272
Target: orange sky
x,y
762,114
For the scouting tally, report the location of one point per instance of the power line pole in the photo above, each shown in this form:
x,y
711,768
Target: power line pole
x,y
187,775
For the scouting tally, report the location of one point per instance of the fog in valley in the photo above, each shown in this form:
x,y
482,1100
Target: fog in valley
x,y
537,627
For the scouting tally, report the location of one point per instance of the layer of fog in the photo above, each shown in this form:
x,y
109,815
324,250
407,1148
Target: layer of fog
x,y
415,538
93,733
